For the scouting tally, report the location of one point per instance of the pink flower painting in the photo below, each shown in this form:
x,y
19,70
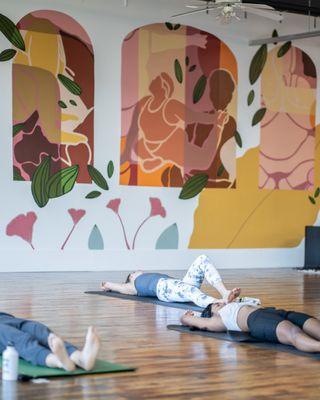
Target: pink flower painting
x,y
22,226
76,216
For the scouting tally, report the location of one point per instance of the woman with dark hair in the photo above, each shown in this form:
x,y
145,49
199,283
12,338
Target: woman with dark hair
x,y
266,324
169,289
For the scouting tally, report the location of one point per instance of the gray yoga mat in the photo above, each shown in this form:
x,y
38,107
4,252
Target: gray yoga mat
x,y
243,337
153,300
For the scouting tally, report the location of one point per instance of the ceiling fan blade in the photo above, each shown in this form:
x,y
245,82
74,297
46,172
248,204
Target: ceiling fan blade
x,y
193,12
266,14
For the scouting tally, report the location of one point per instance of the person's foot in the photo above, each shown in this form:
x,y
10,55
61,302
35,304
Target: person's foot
x,y
87,357
57,347
232,295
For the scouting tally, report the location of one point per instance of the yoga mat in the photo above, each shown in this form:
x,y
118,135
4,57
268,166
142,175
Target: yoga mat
x,y
101,367
243,337
153,300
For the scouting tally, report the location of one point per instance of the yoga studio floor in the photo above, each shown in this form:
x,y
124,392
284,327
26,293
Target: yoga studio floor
x,y
169,365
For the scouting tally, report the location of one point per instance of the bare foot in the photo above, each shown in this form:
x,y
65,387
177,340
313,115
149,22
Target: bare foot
x,y
58,349
87,357
233,294
104,286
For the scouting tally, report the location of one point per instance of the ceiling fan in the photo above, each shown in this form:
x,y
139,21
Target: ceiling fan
x,y
227,11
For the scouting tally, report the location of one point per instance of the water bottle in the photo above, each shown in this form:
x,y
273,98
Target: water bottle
x,y
10,361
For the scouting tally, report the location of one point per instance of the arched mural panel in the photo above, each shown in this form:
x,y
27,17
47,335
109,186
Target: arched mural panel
x,y
53,96
179,97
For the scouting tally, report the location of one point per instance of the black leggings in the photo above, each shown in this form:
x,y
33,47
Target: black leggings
x,y
263,322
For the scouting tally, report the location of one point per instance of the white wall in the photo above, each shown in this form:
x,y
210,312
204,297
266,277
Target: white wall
x,y
107,23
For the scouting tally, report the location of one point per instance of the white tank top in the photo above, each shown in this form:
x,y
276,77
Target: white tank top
x,y
229,315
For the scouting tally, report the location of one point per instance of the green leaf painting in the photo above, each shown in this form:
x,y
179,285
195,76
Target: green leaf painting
x,y
69,84
284,49
169,26
312,200
95,241
110,169
193,186
258,116
63,181
178,71
238,139
16,175
93,195
257,64
176,27
11,32
275,34
199,89
220,170
192,68
317,192
72,102
187,61
97,177
39,182
62,104
169,239
16,129
251,96
7,55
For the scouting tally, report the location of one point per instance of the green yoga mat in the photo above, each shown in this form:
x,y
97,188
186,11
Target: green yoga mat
x,y
101,367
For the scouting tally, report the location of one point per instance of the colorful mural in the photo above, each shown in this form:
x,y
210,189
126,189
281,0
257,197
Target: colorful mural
x,y
53,96
249,217
179,95
288,90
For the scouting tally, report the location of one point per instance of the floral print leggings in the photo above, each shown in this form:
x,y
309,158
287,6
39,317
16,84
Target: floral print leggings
x,y
188,288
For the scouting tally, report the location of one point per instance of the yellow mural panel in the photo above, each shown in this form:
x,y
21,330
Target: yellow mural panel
x,y
249,217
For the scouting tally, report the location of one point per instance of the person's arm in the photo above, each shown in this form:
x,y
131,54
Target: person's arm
x,y
123,288
213,324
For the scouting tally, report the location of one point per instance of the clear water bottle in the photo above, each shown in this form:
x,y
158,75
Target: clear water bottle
x,y
10,362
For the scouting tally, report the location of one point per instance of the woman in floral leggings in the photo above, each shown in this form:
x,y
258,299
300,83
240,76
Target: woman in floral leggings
x,y
169,289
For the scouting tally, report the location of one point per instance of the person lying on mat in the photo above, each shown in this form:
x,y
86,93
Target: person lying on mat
x,y
266,324
37,344
169,289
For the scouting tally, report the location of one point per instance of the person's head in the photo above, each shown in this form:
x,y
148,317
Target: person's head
x,y
133,276
211,310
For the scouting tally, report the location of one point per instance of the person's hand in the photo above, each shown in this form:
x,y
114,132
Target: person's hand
x,y
105,287
221,302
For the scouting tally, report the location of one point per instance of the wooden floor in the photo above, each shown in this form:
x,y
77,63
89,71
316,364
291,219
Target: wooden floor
x,y
170,365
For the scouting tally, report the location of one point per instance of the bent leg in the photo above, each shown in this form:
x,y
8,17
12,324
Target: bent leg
x,y
312,328
288,333
202,268
174,290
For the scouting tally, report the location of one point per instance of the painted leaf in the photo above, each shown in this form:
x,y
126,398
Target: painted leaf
x,y
176,27
169,26
95,241
11,32
16,175
258,116
69,84
199,89
312,200
110,169
169,238
192,68
63,181
72,102
317,192
178,71
193,186
16,129
220,171
7,55
238,139
97,177
257,64
275,34
39,182
284,49
187,61
62,104
251,96
93,195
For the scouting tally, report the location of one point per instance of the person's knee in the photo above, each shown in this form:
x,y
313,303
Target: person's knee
x,y
287,332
